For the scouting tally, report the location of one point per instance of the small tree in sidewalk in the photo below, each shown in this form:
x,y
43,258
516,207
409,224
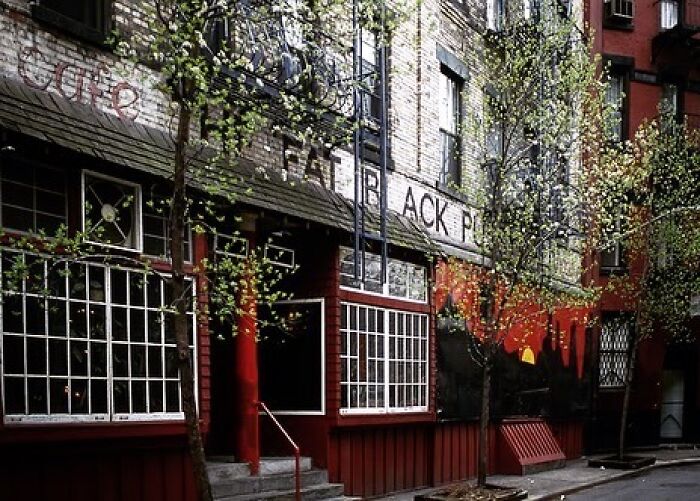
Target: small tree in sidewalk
x,y
540,136
658,209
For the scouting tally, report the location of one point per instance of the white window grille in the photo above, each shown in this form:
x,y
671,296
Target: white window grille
x,y
32,198
669,14
112,211
404,280
613,351
87,342
384,360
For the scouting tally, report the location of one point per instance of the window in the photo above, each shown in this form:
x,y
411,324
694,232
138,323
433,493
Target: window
x,y
405,280
450,121
613,351
669,14
156,229
670,100
615,98
612,257
33,199
619,12
384,360
494,14
371,78
87,342
112,211
88,19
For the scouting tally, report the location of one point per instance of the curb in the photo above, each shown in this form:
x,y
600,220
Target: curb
x,y
621,476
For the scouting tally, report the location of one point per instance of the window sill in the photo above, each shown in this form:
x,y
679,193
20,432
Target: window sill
x,y
611,25
450,192
613,271
385,418
41,432
70,26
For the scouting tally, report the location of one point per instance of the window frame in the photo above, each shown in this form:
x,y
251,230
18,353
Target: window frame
x,y
111,415
95,35
447,77
423,360
618,251
148,212
621,72
138,217
621,324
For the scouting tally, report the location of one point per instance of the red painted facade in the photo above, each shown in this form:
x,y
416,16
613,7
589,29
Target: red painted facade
x,y
650,60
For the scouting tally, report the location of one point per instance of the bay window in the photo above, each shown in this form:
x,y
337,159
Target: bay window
x,y
384,360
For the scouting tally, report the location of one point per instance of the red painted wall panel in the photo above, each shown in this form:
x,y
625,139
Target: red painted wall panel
x,y
142,470
569,434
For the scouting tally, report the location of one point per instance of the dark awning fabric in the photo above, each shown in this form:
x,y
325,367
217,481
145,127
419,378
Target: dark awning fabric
x,y
82,128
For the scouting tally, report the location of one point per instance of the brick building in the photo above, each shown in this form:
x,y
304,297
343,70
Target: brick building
x,y
651,48
90,402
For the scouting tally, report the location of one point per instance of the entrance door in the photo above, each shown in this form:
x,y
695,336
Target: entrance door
x,y
672,405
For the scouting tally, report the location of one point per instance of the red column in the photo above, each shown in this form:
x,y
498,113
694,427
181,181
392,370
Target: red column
x,y
247,439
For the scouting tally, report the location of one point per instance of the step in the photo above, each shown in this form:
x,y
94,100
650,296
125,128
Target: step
x,y
321,491
225,468
264,483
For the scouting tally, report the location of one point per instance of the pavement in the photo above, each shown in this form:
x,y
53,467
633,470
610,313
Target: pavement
x,y
576,475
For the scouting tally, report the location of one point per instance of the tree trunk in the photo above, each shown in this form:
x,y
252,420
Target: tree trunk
x,y
483,462
181,298
629,377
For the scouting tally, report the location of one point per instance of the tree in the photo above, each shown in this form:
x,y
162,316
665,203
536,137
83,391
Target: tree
x,y
231,69
655,181
539,137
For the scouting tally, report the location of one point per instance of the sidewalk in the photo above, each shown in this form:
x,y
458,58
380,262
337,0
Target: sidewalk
x,y
576,475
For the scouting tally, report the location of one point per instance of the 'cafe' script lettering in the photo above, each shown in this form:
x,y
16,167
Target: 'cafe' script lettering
x,y
74,82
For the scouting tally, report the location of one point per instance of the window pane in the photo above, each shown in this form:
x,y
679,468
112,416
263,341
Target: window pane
x,y
13,354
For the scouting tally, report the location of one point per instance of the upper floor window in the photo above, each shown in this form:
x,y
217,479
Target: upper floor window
x,y
495,11
669,14
612,257
450,120
404,281
619,12
89,19
371,78
615,97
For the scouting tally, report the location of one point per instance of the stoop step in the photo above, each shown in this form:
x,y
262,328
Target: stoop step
x,y
231,481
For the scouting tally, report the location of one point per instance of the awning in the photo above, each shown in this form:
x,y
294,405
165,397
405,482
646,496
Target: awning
x,y
83,129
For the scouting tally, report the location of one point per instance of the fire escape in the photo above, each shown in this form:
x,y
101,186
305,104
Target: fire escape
x,y
370,139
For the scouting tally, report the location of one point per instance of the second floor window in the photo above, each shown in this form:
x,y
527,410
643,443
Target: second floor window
x,y
612,257
450,118
371,78
494,14
615,97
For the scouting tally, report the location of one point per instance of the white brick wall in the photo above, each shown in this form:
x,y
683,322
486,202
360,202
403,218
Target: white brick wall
x,y
31,52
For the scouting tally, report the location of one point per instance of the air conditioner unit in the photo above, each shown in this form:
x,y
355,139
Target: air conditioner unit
x,y
619,10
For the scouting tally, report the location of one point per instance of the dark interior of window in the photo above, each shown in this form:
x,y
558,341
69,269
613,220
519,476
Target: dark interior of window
x,y
290,357
89,20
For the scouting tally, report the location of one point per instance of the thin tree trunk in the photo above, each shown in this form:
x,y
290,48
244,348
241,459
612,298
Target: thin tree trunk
x,y
629,377
482,463
177,226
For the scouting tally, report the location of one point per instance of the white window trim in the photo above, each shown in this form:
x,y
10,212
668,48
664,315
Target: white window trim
x,y
387,409
189,258
110,416
322,411
281,264
231,238
137,206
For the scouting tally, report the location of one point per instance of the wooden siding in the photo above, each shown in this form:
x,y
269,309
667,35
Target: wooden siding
x,y
569,434
376,460
129,470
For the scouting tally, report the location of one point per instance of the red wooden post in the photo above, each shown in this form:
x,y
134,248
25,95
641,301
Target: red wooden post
x,y
247,439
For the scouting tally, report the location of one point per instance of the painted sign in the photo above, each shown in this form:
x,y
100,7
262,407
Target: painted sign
x,y
78,83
